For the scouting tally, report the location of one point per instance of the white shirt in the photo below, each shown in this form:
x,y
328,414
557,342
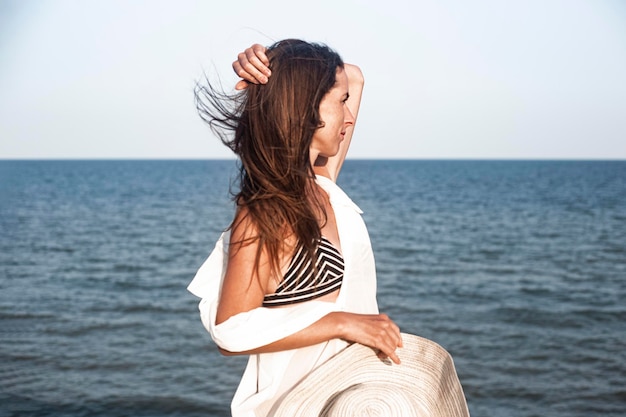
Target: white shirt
x,y
268,376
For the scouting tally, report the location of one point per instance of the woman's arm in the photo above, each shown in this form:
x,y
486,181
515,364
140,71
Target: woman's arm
x,y
244,285
374,330
355,89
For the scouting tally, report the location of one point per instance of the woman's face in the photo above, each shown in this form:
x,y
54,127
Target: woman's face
x,y
336,118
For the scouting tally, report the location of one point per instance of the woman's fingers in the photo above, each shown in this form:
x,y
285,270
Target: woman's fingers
x,y
249,67
241,85
256,56
252,65
377,331
390,339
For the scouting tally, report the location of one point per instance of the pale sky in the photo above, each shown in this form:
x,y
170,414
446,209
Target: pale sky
x,y
444,79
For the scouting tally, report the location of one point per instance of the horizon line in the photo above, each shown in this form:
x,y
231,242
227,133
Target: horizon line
x,y
104,159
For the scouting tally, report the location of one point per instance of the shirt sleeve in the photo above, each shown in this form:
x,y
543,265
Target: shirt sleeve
x,y
261,326
251,329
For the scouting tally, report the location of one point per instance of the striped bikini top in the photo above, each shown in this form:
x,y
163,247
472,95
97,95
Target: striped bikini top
x,y
299,283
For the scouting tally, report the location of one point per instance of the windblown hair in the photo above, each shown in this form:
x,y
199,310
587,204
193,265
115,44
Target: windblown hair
x,y
270,128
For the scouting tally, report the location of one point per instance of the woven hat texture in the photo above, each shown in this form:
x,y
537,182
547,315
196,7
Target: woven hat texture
x,y
355,382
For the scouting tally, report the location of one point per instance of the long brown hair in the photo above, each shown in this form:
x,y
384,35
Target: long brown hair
x,y
270,128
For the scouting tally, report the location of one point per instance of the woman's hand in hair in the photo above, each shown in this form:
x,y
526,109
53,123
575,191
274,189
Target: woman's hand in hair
x,y
253,66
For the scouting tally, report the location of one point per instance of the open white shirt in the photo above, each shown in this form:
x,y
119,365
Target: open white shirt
x,y
268,376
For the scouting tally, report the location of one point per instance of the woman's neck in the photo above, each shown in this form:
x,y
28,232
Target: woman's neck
x,y
320,166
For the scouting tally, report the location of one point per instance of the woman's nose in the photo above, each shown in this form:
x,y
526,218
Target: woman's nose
x,y
348,117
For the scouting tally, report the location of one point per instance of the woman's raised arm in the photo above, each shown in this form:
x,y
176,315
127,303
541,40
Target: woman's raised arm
x,y
355,89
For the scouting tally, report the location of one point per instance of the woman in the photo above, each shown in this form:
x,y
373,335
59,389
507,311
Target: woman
x,y
293,282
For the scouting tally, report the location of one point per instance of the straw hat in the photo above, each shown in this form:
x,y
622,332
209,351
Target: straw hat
x,y
356,382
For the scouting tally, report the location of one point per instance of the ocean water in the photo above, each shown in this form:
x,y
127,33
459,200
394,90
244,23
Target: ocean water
x,y
518,268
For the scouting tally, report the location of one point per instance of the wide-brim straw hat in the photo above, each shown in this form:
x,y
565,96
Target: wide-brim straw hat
x,y
356,382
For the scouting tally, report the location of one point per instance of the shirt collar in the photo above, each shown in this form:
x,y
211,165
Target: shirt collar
x,y
337,195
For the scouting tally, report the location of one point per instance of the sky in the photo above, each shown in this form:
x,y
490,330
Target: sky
x,y
482,79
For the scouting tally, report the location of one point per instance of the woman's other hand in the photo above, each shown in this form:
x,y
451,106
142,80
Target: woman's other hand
x,y
252,65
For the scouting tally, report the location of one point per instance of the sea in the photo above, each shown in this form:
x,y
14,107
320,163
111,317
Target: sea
x,y
517,268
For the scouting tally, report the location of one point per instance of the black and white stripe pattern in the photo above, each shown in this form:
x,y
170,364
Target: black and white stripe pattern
x,y
301,284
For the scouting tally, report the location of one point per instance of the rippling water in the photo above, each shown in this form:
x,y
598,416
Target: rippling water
x,y
517,268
